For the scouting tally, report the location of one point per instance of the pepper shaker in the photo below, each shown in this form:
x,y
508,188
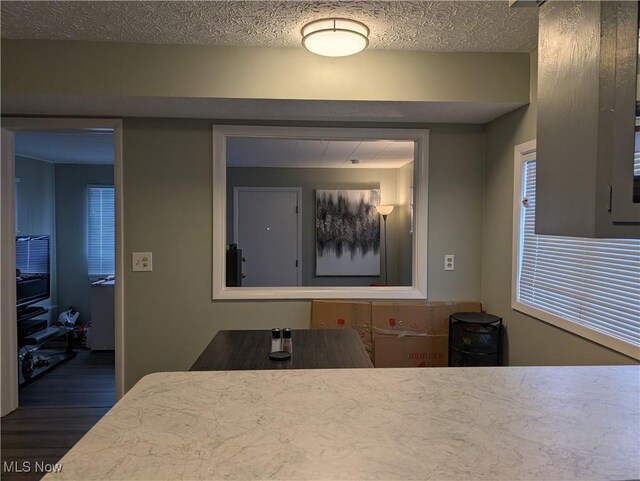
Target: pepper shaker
x,y
276,340
287,342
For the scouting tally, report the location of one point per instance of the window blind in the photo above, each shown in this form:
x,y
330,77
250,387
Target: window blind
x,y
592,282
101,243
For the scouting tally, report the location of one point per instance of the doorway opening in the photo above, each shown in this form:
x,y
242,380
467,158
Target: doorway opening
x,y
65,268
61,283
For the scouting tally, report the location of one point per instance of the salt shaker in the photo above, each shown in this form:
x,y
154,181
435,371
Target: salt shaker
x,y
287,342
276,340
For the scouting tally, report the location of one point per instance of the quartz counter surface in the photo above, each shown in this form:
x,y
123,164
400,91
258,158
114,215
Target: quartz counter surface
x,y
505,423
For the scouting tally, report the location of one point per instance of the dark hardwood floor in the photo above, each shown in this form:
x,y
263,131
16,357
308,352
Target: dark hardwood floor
x,y
88,380
55,412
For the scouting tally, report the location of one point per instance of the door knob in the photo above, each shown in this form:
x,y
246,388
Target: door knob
x,y
244,275
244,259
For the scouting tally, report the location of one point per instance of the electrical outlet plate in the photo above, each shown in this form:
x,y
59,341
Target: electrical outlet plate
x,y
449,262
141,262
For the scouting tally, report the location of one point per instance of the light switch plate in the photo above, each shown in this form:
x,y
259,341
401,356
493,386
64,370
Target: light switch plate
x,y
141,262
449,262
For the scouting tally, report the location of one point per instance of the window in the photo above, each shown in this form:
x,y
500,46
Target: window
x,y
590,287
101,238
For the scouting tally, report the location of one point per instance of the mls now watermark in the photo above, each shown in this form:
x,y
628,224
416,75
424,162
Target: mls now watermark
x,y
30,467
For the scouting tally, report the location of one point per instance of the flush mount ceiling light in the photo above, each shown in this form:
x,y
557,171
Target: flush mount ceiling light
x,y
335,37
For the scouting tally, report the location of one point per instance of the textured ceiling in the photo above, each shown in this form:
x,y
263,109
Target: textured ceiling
x,y
66,147
329,154
97,148
457,26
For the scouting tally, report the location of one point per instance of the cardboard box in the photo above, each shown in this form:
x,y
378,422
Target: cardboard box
x,y
395,334
416,316
414,333
413,316
344,314
411,351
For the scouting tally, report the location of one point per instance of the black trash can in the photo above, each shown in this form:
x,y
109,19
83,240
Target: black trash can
x,y
475,339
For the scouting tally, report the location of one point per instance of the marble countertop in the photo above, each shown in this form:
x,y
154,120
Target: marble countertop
x,y
509,423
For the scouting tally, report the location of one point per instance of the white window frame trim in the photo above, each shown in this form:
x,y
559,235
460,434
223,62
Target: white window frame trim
x,y
520,154
418,289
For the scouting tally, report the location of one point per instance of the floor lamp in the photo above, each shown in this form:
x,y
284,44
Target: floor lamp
x,y
384,211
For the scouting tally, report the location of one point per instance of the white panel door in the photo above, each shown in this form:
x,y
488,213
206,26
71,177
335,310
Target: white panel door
x,y
267,229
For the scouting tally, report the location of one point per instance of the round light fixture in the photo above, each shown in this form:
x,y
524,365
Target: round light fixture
x,y
335,37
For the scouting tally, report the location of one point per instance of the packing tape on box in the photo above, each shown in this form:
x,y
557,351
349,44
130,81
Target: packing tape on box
x,y
403,332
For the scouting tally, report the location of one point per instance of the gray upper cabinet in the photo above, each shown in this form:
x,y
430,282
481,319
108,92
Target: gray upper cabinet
x,y
587,57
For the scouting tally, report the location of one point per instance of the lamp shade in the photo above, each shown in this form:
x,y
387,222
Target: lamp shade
x,y
384,209
335,37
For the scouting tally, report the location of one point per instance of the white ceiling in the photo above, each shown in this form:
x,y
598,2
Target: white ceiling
x,y
440,26
334,154
97,148
66,147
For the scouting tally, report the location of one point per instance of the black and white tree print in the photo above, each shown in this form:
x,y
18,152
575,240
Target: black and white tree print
x,y
347,231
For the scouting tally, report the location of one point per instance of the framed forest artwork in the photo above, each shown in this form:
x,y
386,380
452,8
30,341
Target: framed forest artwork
x,y
347,233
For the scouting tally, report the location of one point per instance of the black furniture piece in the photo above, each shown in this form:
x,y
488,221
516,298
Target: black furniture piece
x,y
42,350
475,339
234,266
312,349
27,327
30,312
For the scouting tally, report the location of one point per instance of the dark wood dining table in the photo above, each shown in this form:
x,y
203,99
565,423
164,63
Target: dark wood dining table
x,y
312,349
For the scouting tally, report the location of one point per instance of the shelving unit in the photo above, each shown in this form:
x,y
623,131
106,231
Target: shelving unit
x,y
31,312
41,351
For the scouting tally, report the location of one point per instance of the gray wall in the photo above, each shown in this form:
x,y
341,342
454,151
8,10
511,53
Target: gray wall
x,y
529,341
200,72
403,219
169,315
36,209
71,230
456,194
311,179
